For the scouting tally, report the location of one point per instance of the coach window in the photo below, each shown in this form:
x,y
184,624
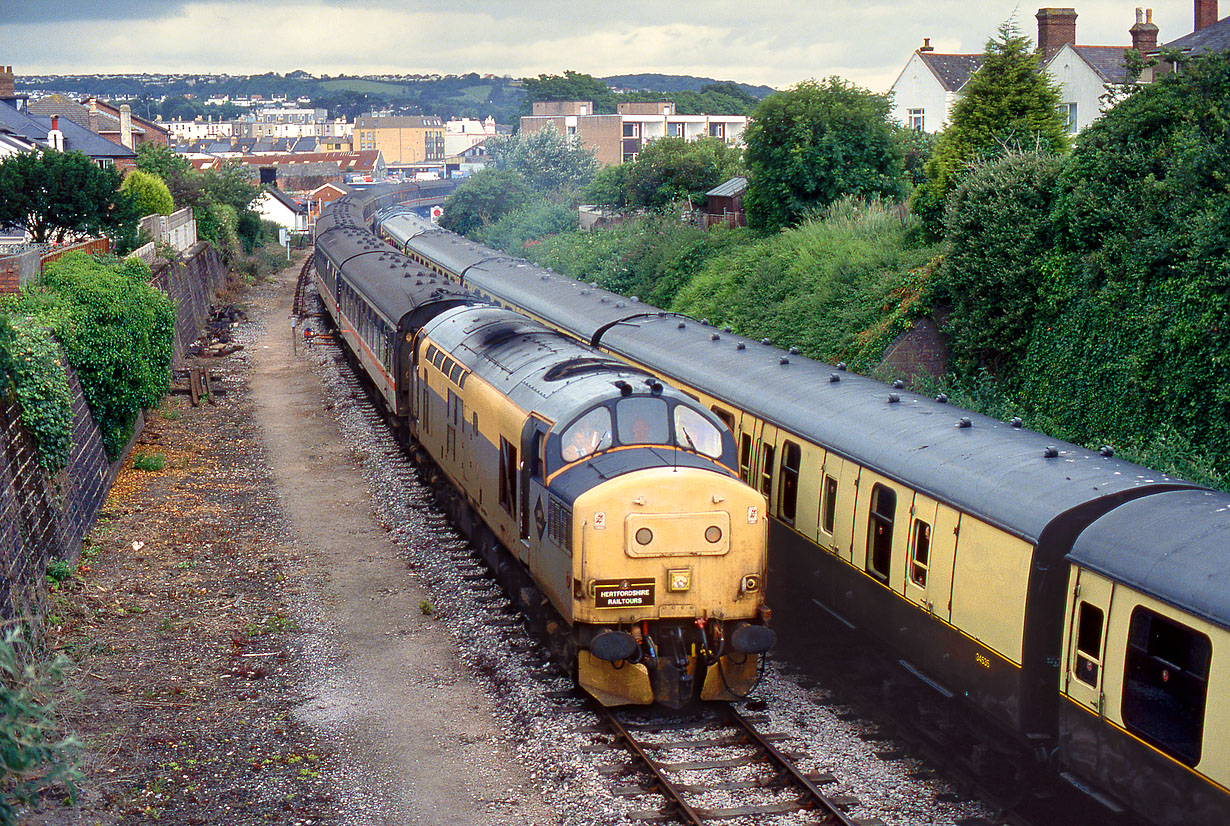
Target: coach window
x,y
828,508
726,416
1088,644
880,531
766,471
790,481
920,554
745,457
1166,683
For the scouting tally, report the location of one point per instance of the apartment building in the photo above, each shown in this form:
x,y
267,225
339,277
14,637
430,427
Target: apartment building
x,y
619,137
405,139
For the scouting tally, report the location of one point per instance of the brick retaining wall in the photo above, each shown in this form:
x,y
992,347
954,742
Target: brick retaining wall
x,y
44,517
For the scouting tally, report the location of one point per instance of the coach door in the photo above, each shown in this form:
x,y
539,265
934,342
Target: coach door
x,y
764,477
930,552
838,489
1089,604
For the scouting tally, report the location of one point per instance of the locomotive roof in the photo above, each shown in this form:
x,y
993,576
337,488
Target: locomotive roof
x,y
391,281
1171,546
538,368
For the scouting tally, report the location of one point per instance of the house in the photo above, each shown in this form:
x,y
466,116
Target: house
x,y
724,204
1083,73
116,125
1208,35
304,172
929,85
275,205
53,132
322,196
619,137
462,133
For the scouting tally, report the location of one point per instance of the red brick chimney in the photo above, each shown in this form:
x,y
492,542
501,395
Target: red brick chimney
x,y
1056,27
1206,14
8,87
1144,33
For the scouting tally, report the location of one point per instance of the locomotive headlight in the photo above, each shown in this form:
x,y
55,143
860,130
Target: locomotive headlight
x,y
644,536
750,584
713,534
678,579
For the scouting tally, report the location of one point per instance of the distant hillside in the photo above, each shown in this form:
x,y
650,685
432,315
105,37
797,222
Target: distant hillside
x,y
676,83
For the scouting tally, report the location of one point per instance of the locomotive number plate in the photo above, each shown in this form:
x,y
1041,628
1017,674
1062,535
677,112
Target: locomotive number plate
x,y
623,593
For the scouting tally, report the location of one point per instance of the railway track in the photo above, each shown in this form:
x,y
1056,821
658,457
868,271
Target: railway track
x,y
719,742
711,765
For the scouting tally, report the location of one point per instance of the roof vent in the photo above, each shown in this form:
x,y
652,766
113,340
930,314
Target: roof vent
x,y
1049,452
682,325
893,398
635,299
625,389
1107,451
714,337
1016,422
841,365
794,351
740,346
602,300
704,322
965,422
764,341
655,387
942,398
619,305
834,378
726,329
594,284
783,360
898,384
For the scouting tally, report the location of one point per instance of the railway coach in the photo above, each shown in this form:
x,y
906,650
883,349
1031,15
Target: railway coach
x,y
1067,609
606,503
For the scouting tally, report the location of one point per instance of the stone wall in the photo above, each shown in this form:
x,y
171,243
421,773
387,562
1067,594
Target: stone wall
x,y
44,516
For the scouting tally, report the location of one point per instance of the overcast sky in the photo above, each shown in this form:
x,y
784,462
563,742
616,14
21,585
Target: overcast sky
x,y
772,42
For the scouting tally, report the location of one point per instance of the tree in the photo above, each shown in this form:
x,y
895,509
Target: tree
x,y
1007,105
186,185
569,86
813,144
232,184
484,199
149,194
673,169
610,186
55,196
548,161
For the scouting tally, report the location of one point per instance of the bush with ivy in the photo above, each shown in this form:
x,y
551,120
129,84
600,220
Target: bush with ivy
x,y
117,331
528,225
32,756
31,366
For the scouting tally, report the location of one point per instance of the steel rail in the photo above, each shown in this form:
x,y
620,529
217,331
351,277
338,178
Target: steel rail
x,y
673,797
785,763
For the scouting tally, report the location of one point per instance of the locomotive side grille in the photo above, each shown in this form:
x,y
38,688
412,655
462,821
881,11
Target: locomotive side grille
x,y
559,524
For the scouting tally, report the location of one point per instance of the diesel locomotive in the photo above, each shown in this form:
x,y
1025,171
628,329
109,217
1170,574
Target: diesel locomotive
x,y
607,503
1068,611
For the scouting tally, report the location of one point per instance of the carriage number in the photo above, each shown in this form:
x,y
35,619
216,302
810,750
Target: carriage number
x,y
982,661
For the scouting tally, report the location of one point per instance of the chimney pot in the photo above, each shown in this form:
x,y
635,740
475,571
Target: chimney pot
x,y
1144,34
926,46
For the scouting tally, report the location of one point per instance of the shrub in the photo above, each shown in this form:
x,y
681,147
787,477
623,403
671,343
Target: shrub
x,y
117,332
529,223
149,194
999,229
30,755
36,372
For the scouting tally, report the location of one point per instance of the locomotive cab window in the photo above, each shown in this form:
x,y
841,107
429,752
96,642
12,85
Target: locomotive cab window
x,y
1166,684
920,555
587,435
791,456
1088,644
695,432
880,531
642,421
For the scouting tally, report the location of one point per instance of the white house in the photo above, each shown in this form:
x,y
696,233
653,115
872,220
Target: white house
x,y
1082,74
276,206
929,85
